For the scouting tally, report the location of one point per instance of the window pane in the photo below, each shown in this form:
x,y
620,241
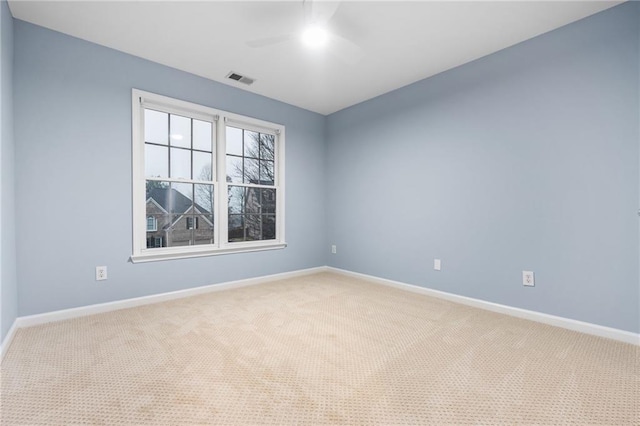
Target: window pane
x,y
252,214
155,241
253,227
177,233
251,144
268,227
180,131
236,228
202,166
251,171
156,208
266,173
156,161
202,135
268,200
252,201
234,141
204,198
236,199
180,163
234,169
204,233
171,203
156,127
267,146
181,198
159,191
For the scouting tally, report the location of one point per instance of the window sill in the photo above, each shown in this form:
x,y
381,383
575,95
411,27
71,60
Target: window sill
x,y
171,254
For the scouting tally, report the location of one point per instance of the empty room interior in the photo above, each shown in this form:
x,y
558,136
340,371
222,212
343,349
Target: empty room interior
x,y
314,212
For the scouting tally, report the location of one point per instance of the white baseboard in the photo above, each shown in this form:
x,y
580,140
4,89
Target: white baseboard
x,y
570,324
4,345
31,320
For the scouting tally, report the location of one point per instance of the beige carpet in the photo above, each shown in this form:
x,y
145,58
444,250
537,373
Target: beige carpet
x,y
321,349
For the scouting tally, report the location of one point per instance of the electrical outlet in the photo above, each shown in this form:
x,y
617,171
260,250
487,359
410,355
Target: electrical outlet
x,y
334,249
527,279
101,273
437,264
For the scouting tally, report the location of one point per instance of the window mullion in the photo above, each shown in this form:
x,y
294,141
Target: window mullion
x,y
221,197
169,145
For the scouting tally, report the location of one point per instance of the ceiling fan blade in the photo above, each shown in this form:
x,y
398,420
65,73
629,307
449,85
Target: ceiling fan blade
x,y
345,50
268,41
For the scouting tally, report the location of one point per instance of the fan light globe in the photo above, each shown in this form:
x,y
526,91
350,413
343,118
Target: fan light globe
x,y
315,36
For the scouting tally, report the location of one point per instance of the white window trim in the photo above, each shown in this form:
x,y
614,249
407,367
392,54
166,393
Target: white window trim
x,y
140,100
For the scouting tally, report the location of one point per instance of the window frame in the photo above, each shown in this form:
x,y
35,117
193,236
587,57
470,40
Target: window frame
x,y
141,100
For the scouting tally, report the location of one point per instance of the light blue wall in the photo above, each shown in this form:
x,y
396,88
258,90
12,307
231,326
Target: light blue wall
x,y
8,278
526,159
73,175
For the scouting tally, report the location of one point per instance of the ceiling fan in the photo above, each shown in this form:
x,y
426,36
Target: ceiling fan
x,y
316,33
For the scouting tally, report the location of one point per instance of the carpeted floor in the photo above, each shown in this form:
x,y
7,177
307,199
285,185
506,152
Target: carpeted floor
x,y
320,349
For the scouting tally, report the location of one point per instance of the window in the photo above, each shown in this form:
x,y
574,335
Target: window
x,y
251,185
192,222
152,224
207,181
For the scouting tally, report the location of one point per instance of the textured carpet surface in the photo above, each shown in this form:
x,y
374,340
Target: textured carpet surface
x,y
320,349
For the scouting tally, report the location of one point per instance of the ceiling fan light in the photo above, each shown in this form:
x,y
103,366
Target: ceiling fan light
x,y
315,36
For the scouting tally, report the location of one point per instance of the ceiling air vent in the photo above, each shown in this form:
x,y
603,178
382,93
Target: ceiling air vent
x,y
241,78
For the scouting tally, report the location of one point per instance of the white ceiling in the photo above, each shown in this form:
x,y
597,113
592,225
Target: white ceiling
x,y
402,42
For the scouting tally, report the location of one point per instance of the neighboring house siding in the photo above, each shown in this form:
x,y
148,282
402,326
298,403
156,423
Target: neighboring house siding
x,y
172,229
179,235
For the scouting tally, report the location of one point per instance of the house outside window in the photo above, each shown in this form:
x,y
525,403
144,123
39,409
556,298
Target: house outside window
x,y
207,181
